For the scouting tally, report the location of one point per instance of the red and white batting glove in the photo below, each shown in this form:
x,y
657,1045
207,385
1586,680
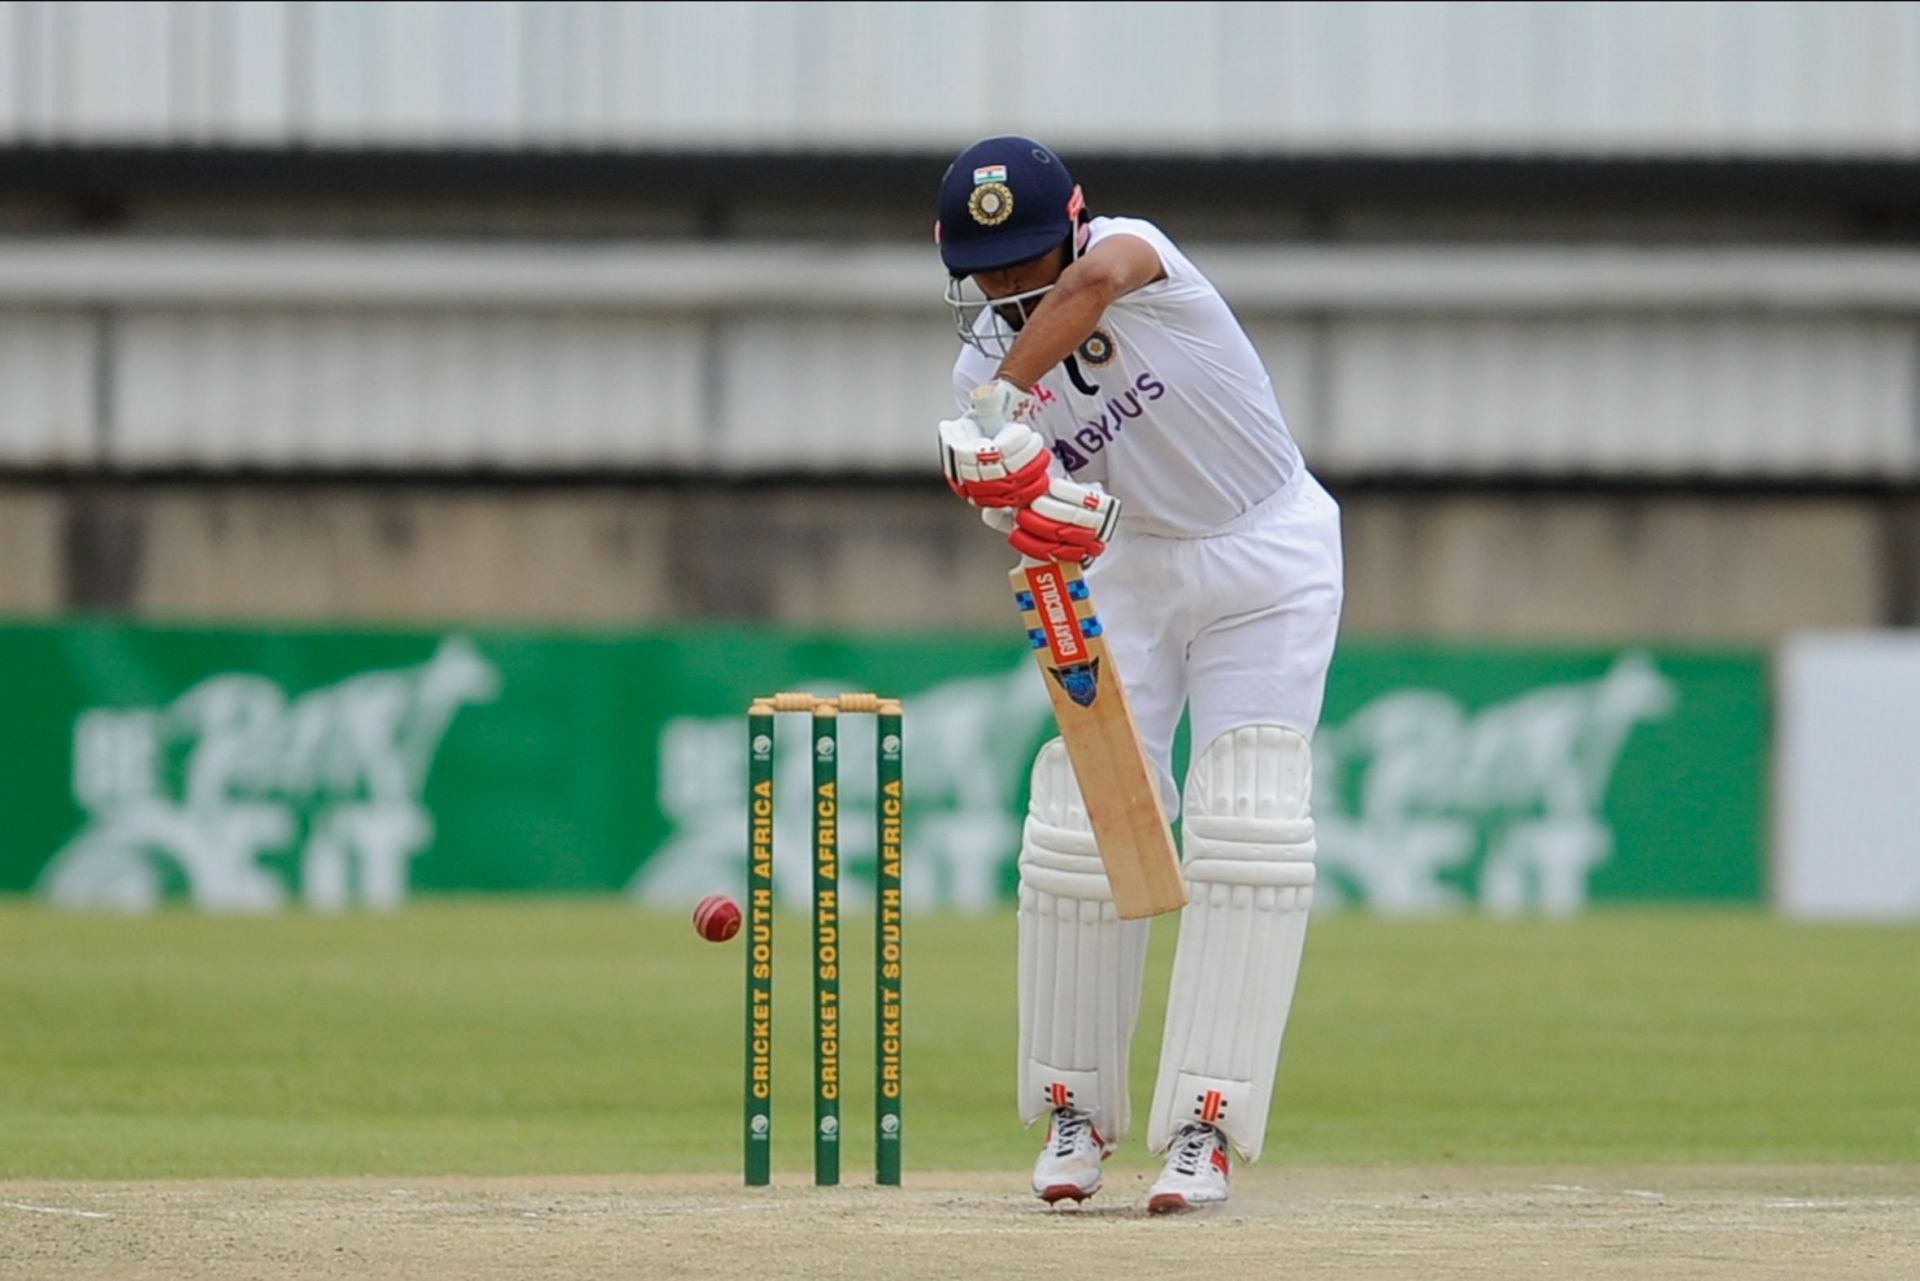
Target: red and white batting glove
x,y
1006,469
1067,523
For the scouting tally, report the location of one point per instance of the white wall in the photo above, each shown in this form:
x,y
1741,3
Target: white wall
x,y
48,414
1830,78
1848,779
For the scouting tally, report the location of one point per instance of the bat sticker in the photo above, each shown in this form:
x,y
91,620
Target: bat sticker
x,y
1080,681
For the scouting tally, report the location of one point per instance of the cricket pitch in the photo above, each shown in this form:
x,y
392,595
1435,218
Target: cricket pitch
x,y
1383,1222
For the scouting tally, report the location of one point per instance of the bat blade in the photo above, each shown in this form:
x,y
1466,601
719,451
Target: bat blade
x,y
1116,782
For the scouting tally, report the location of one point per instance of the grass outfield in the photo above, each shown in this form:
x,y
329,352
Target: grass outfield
x,y
553,1037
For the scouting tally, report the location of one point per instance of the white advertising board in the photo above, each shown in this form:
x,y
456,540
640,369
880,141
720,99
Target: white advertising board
x,y
1848,780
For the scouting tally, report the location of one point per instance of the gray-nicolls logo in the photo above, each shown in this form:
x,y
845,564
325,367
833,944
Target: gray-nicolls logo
x,y
193,797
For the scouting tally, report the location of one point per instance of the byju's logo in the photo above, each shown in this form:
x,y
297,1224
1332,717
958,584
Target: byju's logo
x,y
1097,433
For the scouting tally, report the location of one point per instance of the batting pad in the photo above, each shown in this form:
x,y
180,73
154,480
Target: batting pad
x,y
1249,867
1080,964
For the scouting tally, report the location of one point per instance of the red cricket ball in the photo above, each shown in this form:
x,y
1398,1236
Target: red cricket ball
x,y
717,918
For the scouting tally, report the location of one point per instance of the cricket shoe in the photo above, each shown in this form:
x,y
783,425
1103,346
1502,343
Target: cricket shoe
x,y
1069,1166
1196,1172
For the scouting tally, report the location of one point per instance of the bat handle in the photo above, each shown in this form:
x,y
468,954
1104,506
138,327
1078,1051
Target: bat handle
x,y
986,412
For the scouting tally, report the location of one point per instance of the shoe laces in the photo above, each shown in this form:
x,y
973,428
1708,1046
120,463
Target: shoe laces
x,y
1192,1148
1068,1126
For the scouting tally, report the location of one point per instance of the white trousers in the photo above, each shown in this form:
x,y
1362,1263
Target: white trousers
x,y
1237,627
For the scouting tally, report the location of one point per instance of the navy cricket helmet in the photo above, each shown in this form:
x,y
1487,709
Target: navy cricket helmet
x,y
1004,201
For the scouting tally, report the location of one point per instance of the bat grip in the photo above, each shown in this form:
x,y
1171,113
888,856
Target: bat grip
x,y
986,412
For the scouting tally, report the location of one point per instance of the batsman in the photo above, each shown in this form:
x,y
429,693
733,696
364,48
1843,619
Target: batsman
x,y
1114,414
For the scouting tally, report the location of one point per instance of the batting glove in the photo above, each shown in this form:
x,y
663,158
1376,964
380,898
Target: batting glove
x,y
1007,469
1069,522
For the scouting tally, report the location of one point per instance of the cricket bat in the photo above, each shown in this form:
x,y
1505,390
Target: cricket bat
x,y
1116,782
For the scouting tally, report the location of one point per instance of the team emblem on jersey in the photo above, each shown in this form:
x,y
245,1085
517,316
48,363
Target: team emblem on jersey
x,y
1097,350
991,204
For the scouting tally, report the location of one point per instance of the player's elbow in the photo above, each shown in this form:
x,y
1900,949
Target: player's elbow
x,y
1097,280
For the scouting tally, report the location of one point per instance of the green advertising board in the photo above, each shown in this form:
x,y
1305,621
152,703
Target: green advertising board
x,y
259,769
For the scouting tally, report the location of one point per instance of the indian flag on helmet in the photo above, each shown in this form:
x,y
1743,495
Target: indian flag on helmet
x,y
989,173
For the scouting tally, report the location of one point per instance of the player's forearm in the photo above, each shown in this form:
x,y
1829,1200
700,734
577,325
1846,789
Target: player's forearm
x,y
1063,320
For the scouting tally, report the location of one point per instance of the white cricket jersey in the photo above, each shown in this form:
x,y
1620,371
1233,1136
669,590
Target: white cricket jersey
x,y
1181,425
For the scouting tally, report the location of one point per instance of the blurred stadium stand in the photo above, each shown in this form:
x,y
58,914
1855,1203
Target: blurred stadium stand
x,y
1750,79
1602,320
